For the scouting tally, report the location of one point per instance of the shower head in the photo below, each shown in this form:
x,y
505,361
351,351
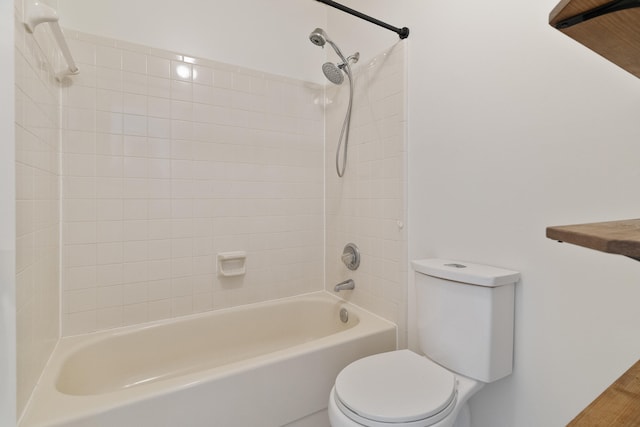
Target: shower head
x,y
318,37
333,73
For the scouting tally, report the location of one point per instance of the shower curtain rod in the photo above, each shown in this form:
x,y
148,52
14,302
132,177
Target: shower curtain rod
x,y
402,32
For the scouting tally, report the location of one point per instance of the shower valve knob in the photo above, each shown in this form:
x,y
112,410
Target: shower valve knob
x,y
351,256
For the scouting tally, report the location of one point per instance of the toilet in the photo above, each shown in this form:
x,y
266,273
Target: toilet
x,y
465,316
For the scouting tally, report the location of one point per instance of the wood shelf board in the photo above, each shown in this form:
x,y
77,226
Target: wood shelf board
x,y
618,405
615,237
615,36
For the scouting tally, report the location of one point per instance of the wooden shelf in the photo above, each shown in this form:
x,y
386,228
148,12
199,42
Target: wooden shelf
x,y
615,237
619,405
615,36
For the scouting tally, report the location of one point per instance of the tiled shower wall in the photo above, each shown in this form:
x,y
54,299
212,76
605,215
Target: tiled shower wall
x,y
367,206
37,142
169,160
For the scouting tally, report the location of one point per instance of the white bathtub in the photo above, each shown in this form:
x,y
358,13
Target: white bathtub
x,y
261,365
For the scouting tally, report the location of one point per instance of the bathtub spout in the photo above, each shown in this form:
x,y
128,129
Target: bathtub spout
x,y
347,285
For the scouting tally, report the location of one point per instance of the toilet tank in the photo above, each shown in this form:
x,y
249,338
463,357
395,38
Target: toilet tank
x,y
465,316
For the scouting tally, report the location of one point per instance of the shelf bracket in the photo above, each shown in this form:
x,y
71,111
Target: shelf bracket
x,y
612,6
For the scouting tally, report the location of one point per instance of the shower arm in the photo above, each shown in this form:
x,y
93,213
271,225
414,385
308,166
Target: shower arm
x,y
402,32
338,51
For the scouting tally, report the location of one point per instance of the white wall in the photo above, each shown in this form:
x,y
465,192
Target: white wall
x,y
514,127
7,219
269,36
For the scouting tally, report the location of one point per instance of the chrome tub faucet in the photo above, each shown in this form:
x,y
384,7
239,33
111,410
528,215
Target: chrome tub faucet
x,y
347,285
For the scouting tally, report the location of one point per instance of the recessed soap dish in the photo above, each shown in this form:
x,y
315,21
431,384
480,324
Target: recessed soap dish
x,y
232,263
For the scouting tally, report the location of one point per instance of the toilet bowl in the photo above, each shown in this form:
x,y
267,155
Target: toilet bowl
x,y
465,329
399,389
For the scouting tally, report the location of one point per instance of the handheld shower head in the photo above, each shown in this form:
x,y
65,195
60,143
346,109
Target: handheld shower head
x,y
318,37
333,73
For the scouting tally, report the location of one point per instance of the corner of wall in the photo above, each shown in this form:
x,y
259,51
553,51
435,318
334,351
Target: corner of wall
x,y
7,219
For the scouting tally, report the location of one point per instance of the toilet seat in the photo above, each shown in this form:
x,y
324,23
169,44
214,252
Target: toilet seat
x,y
399,388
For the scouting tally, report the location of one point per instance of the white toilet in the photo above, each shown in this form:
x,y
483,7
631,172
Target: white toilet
x,y
465,328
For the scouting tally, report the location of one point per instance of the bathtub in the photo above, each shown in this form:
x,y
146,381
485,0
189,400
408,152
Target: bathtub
x,y
260,365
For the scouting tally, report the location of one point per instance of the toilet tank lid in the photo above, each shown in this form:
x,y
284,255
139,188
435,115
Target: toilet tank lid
x,y
466,272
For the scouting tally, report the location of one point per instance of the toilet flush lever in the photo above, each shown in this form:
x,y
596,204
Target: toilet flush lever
x,y
351,256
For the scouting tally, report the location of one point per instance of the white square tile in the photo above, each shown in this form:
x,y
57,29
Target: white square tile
x,y
203,302
181,248
109,209
181,90
159,107
159,147
135,83
134,313
159,128
159,168
159,269
109,317
181,267
202,94
80,277
79,323
135,188
79,97
134,293
222,78
135,125
80,119
135,167
181,110
159,310
159,209
109,144
108,57
80,255
108,231
78,165
78,210
202,75
159,188
134,61
135,209
181,71
108,78
80,300
108,187
109,274
158,67
109,253
135,104
182,306
75,233
159,249
108,100
159,87
137,230
135,146
78,142
108,122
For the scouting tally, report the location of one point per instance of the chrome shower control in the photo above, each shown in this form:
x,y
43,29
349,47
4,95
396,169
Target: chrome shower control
x,y
351,256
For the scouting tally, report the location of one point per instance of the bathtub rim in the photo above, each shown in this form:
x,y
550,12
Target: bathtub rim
x,y
54,407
